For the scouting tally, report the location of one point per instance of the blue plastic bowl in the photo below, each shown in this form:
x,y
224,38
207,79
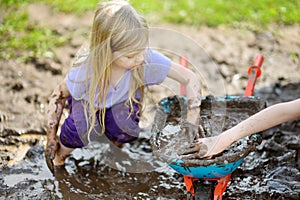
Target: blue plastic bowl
x,y
214,168
211,171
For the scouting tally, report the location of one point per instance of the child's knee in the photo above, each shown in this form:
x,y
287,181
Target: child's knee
x,y
121,125
69,136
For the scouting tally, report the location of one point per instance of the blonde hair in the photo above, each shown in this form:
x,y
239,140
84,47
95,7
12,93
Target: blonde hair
x,y
116,27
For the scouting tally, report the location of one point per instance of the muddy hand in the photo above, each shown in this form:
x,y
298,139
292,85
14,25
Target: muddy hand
x,y
193,151
190,130
51,148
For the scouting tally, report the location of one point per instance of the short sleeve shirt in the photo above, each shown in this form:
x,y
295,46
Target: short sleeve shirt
x,y
156,68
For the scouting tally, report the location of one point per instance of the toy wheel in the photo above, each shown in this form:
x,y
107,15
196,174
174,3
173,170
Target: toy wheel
x,y
204,190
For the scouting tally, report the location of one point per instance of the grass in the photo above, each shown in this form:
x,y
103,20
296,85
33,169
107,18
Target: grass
x,y
229,12
18,34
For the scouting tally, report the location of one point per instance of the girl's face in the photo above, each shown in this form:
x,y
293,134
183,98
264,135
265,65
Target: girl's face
x,y
128,61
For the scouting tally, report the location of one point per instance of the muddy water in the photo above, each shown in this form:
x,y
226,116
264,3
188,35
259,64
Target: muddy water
x,y
102,171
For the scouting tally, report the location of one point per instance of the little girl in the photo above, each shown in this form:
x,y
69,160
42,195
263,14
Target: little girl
x,y
105,87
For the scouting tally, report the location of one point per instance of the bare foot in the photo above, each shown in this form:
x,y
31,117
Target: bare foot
x,y
61,155
59,160
120,145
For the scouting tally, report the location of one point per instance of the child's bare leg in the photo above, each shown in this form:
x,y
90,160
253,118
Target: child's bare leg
x,y
61,155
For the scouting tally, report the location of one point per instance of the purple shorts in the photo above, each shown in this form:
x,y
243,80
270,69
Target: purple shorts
x,y
120,125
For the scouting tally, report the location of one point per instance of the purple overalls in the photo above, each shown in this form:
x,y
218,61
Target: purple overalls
x,y
119,126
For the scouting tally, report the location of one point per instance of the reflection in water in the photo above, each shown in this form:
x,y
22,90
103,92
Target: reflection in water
x,y
98,171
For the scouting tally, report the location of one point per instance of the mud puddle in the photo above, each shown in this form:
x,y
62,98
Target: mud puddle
x,y
102,171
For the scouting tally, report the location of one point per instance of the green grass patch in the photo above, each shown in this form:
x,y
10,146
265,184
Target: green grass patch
x,y
217,12
21,38
18,34
72,6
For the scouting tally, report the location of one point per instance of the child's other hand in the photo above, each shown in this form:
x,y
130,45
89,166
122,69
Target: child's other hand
x,y
193,131
51,149
190,130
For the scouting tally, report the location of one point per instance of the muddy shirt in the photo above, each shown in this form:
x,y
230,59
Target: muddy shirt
x,y
156,68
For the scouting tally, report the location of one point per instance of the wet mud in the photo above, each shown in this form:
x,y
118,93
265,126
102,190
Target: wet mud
x,y
102,171
217,115
272,171
92,173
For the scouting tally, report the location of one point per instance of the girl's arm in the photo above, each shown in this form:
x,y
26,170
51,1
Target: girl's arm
x,y
190,127
193,89
265,119
54,112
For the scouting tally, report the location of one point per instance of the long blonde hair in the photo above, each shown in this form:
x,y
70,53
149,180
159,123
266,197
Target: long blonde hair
x,y
116,27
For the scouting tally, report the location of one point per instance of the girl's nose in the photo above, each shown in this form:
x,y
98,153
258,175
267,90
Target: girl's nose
x,y
139,58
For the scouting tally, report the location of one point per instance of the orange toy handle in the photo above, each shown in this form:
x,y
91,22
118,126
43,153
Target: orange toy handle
x,y
253,72
258,60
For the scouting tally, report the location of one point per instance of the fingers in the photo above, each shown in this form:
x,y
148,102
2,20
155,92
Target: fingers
x,y
193,148
188,134
207,157
196,148
196,143
191,131
201,132
51,148
51,151
50,164
195,151
49,158
203,150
